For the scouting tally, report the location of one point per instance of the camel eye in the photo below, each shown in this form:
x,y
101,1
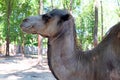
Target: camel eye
x,y
46,17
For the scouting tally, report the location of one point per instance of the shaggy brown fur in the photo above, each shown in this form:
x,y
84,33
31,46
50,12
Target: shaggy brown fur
x,y
66,60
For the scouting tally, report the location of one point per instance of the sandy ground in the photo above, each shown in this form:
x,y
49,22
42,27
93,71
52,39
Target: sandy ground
x,y
17,68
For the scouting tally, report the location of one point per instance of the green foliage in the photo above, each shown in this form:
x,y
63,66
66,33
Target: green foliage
x,y
82,10
85,24
118,8
20,10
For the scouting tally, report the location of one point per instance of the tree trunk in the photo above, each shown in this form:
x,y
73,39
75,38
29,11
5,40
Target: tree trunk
x,y
63,2
8,13
39,36
118,7
95,36
101,19
52,4
22,46
118,4
71,3
7,45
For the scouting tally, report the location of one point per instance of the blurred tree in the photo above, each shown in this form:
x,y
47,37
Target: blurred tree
x,y
82,10
85,24
95,35
8,10
52,6
71,4
118,11
101,19
39,36
19,10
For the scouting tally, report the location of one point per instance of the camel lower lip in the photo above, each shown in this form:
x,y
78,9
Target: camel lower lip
x,y
27,30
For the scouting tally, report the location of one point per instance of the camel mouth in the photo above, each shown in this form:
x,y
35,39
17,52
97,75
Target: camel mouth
x,y
25,27
28,29
29,32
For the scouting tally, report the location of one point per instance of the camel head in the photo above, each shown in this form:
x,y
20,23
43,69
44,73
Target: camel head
x,y
47,24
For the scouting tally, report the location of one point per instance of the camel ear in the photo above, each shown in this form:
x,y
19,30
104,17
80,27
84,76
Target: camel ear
x,y
46,17
65,17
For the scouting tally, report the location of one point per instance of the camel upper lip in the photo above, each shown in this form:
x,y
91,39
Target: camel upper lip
x,y
27,30
25,27
28,27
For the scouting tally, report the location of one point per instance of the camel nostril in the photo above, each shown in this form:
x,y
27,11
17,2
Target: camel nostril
x,y
25,20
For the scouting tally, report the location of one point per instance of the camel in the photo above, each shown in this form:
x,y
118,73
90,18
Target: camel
x,y
65,59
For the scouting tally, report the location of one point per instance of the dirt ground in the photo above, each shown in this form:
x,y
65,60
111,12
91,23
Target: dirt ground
x,y
17,68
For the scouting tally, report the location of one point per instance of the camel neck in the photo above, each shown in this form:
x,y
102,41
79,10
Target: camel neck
x,y
61,52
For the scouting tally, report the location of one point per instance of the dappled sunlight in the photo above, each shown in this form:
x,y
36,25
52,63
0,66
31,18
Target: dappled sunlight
x,y
17,68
